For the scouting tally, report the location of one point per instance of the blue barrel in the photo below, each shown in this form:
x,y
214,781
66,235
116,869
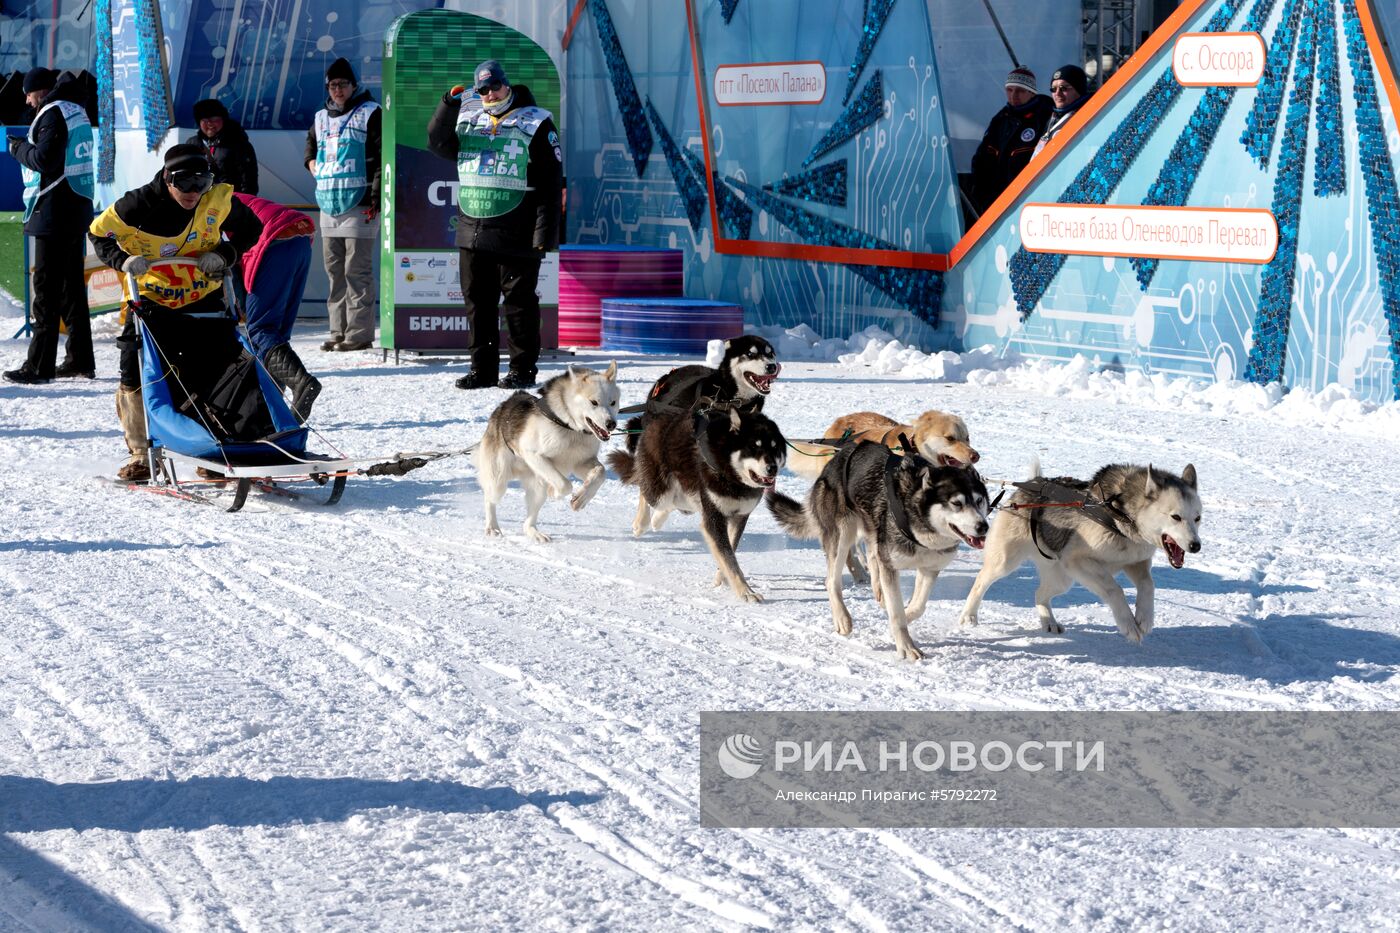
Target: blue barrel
x,y
668,326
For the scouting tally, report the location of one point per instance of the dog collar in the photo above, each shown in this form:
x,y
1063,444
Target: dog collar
x,y
543,407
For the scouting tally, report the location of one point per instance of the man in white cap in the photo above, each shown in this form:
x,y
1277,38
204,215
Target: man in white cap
x,y
1010,139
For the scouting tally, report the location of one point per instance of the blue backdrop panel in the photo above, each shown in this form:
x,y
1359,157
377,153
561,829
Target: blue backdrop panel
x,y
898,187
1323,311
670,326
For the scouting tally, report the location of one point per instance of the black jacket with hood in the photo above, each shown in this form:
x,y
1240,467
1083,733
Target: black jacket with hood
x,y
231,155
533,227
1006,147
151,208
374,141
62,211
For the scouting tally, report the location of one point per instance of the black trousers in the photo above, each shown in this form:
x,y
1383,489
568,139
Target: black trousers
x,y
59,294
486,279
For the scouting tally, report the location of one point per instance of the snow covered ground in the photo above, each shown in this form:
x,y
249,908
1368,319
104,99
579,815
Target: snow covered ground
x,y
372,717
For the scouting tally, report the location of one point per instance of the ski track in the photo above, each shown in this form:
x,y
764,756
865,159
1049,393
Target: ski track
x,y
153,640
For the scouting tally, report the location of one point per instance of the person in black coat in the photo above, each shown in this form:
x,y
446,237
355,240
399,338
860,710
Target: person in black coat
x,y
509,203
226,146
57,216
1010,140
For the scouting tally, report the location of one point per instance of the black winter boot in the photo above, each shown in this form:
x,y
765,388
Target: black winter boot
x,y
286,368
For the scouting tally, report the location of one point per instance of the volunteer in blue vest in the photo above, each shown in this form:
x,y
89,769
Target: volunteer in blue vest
x,y
342,152
55,159
509,172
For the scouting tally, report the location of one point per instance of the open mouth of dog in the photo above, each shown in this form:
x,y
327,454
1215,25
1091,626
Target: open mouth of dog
x,y
763,383
1175,555
947,461
973,541
592,426
764,481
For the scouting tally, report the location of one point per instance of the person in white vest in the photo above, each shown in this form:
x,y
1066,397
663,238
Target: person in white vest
x,y
342,152
509,172
56,161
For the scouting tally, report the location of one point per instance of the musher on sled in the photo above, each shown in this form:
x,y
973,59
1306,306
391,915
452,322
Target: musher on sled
x,y
179,213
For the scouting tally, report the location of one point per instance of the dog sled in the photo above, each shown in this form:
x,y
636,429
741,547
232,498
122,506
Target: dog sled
x,y
236,430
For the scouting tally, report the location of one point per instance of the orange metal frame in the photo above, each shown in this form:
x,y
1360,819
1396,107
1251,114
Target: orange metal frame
x,y
942,262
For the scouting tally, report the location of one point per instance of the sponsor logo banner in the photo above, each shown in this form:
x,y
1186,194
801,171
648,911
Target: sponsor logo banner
x,y
1095,769
1208,234
432,279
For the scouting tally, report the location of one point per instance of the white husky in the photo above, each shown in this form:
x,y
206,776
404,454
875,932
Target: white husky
x,y
1145,509
542,440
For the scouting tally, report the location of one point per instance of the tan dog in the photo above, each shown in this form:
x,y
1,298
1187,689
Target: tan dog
x,y
939,436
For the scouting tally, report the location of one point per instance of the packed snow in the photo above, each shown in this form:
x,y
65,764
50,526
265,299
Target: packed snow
x,y
374,717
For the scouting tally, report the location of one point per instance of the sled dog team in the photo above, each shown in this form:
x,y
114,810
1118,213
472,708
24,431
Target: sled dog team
x,y
908,492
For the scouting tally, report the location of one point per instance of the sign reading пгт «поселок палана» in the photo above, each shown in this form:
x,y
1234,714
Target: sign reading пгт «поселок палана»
x,y
767,83
1210,234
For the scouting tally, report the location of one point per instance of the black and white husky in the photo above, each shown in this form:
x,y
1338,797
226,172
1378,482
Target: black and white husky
x,y
912,515
541,440
743,379
1133,511
719,465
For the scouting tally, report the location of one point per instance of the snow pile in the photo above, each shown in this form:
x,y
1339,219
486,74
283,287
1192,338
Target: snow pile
x,y
797,344
9,305
1080,378
107,325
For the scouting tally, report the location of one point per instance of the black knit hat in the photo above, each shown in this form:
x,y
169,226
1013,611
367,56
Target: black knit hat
x,y
341,69
205,109
1072,75
185,157
39,79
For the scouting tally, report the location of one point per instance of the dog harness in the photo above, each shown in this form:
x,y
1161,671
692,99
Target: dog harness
x,y
542,406
1049,494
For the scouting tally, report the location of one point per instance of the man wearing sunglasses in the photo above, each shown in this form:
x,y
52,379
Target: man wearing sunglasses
x,y
179,214
343,153
1069,90
509,172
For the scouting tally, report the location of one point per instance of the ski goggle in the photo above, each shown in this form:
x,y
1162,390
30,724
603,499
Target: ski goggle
x,y
190,182
492,85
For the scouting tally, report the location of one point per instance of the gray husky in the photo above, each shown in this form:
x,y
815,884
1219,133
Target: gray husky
x,y
1143,509
541,440
911,514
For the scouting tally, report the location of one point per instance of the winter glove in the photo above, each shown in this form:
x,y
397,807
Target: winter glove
x,y
136,265
212,264
13,142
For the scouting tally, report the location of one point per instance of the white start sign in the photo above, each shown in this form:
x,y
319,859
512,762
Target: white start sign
x,y
766,83
1218,59
1210,234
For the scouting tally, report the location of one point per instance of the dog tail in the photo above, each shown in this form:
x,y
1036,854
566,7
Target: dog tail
x,y
634,427
792,515
1035,467
624,465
